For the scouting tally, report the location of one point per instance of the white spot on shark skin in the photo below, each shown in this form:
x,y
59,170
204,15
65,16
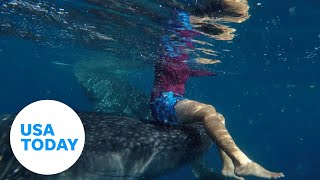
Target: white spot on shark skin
x,y
1,158
4,117
102,36
16,170
60,63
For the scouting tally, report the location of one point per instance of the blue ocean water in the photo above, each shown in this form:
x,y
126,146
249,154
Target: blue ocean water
x,y
267,88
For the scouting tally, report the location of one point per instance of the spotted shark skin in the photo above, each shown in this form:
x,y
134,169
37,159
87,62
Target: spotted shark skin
x,y
118,147
105,82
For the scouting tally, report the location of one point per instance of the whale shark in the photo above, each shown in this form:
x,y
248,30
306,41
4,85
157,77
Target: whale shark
x,y
106,82
118,147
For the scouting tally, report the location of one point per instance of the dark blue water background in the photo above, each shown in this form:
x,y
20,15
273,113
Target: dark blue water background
x,y
268,86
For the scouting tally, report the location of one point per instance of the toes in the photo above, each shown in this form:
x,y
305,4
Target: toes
x,y
277,175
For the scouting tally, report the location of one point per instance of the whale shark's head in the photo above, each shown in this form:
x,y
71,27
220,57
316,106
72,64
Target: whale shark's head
x,y
118,147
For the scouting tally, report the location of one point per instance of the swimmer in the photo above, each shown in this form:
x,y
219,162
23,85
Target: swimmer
x,y
169,105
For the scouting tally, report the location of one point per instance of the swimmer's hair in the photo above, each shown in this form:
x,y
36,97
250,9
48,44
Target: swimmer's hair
x,y
224,10
210,15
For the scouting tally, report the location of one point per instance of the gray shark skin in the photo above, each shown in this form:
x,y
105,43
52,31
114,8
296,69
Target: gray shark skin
x,y
105,81
118,147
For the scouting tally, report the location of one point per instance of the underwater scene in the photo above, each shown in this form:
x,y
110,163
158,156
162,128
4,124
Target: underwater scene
x,y
169,89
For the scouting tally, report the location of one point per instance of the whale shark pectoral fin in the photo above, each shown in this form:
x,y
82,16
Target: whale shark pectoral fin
x,y
200,170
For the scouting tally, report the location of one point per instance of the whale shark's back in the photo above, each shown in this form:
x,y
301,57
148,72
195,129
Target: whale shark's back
x,y
118,147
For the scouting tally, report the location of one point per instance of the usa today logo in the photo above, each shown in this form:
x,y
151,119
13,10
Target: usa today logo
x,y
47,137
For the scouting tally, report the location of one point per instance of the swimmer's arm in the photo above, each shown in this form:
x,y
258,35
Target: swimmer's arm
x,y
201,73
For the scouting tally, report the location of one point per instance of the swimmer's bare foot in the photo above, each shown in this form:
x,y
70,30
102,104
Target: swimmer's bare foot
x,y
228,167
254,169
228,171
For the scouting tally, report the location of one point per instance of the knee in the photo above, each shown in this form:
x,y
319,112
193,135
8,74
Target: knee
x,y
210,113
208,110
221,118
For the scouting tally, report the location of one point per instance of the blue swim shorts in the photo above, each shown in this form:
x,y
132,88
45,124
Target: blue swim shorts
x,y
163,107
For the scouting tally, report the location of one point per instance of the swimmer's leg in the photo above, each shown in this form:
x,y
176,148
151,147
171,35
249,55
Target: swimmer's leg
x,y
228,167
188,111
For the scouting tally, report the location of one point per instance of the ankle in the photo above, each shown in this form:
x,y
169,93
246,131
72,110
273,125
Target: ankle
x,y
242,162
